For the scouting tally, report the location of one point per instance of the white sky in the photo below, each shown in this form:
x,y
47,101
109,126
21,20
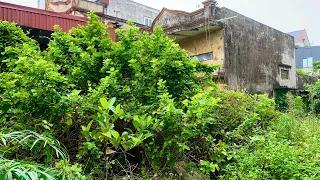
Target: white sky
x,y
284,15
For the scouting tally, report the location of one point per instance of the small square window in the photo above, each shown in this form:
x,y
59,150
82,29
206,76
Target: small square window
x,y
284,73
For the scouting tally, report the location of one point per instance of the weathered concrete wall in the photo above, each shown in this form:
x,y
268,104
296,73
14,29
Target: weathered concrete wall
x,y
203,43
131,10
255,54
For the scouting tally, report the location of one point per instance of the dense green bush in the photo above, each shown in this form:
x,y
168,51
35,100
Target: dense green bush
x,y
57,91
208,125
11,36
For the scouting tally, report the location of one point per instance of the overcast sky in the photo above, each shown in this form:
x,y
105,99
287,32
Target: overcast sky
x,y
284,15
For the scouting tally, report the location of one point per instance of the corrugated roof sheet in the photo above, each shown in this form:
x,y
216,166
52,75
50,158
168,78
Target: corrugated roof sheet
x,y
296,34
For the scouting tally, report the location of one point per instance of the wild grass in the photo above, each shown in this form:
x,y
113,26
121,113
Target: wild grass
x,y
288,150
35,142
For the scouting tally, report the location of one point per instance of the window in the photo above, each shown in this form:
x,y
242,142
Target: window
x,y
147,21
284,73
307,62
203,57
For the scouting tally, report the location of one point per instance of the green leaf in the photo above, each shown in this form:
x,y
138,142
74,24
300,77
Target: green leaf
x,y
108,135
104,103
110,151
68,122
136,140
149,121
76,92
110,104
127,145
115,134
136,123
118,109
89,125
125,135
33,175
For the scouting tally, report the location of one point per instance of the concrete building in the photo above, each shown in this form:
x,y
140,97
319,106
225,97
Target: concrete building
x,y
122,10
74,7
301,38
254,56
130,10
80,8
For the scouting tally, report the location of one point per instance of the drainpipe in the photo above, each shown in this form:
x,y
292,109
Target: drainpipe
x,y
117,13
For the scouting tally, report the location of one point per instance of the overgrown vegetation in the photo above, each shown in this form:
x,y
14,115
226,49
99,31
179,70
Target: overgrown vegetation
x,y
302,72
288,150
91,108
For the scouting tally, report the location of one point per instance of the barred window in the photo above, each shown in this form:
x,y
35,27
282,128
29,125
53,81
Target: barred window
x,y
284,73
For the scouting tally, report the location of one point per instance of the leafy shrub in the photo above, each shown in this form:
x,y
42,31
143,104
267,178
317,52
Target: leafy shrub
x,y
208,126
106,137
30,85
11,36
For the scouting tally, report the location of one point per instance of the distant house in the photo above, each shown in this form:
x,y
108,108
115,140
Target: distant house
x,y
300,38
117,10
305,56
130,10
253,56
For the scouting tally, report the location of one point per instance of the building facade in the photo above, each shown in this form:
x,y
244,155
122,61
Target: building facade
x,y
254,57
305,56
119,9
130,10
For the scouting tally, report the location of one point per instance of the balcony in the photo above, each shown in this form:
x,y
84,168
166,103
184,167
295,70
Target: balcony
x,y
75,7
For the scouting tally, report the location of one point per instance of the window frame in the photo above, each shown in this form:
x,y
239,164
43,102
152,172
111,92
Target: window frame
x,y
285,73
149,21
306,62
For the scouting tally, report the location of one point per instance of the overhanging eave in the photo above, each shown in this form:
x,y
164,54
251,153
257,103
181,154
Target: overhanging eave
x,y
184,32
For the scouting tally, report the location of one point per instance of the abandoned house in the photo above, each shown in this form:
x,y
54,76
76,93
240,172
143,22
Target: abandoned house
x,y
254,57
